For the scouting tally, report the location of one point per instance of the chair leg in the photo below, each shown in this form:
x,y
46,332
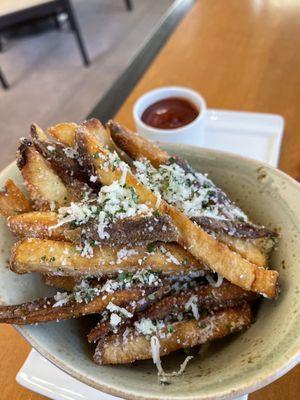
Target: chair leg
x,y
76,29
128,4
3,80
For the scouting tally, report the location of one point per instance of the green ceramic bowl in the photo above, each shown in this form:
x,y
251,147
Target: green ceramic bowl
x,y
231,367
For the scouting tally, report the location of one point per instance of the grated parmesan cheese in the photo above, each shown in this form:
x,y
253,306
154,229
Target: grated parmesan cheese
x,y
191,192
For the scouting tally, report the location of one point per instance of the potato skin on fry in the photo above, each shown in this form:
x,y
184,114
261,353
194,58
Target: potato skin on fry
x,y
205,297
41,255
136,146
42,310
186,334
12,200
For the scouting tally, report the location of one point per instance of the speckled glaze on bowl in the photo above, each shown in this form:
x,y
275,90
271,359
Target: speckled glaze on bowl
x,y
229,368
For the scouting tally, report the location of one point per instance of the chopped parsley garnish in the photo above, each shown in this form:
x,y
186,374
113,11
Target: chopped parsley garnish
x,y
170,328
156,214
185,262
96,155
150,247
43,258
229,327
135,197
202,325
122,276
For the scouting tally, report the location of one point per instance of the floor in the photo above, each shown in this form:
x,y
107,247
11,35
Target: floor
x,y
49,82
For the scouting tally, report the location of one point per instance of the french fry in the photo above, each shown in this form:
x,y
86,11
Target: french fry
x,y
115,350
205,297
36,224
42,224
66,283
95,128
12,200
45,188
136,146
64,133
45,310
50,256
201,245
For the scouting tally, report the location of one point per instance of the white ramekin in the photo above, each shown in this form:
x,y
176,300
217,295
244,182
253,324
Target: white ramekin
x,y
188,134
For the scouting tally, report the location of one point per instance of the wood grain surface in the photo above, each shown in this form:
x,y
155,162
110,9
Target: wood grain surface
x,y
241,55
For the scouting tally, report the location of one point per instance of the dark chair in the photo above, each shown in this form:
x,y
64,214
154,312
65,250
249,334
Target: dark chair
x,y
44,8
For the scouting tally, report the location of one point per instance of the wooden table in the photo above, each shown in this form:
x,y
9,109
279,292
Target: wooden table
x,y
241,55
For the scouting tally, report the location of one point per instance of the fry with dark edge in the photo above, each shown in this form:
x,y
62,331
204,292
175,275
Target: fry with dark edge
x,y
205,297
45,310
189,333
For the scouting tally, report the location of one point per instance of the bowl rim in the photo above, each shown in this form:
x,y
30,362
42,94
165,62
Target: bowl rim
x,y
254,383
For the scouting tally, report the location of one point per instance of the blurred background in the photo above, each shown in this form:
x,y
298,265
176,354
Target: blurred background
x,y
44,49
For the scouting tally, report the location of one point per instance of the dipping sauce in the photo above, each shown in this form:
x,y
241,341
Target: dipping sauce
x,y
170,113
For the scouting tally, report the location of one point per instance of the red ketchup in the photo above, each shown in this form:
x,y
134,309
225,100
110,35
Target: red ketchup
x,y
170,113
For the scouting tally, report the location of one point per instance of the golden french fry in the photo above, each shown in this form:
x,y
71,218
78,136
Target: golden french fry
x,y
66,283
37,224
115,350
49,256
12,200
64,133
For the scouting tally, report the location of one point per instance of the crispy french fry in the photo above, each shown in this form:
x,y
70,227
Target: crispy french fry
x,y
45,310
115,350
204,296
41,224
36,224
44,186
64,133
247,248
49,256
95,128
136,146
66,283
201,245
12,200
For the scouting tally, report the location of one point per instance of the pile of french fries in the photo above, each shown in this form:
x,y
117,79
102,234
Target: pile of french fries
x,y
156,278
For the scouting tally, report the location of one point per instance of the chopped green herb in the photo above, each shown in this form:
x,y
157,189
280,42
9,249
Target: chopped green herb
x,y
135,197
43,258
185,262
51,259
172,160
150,247
202,325
96,155
156,214
170,328
122,276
